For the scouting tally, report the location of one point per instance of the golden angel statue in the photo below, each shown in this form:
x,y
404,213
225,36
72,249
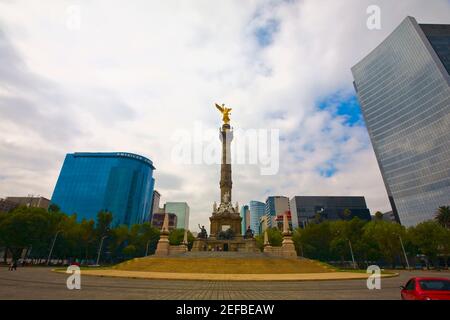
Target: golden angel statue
x,y
225,113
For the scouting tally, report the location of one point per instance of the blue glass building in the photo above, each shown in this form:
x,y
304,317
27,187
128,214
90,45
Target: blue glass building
x,y
256,212
403,86
119,182
275,205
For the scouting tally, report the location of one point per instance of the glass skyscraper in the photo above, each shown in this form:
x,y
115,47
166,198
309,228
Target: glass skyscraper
x,y
245,215
403,87
121,183
181,210
275,205
256,212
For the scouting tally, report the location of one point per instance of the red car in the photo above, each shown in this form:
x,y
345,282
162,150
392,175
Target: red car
x,y
421,288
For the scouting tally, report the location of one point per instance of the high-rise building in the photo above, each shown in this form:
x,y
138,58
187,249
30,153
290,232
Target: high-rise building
x,y
119,182
304,209
245,215
158,220
403,87
257,210
155,204
275,205
181,209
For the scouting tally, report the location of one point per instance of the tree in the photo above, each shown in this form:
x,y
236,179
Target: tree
x,y
378,216
429,237
315,240
104,219
176,237
386,235
25,227
346,214
443,216
143,235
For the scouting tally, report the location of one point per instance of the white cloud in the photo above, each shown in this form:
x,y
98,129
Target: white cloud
x,y
137,71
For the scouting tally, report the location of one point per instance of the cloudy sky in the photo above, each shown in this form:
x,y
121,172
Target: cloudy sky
x,y
130,74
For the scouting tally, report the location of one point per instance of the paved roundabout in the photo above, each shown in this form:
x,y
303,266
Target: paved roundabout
x,y
42,283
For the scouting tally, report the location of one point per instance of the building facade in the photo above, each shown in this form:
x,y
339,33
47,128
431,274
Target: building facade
x,y
257,210
403,87
119,182
158,220
155,204
181,209
10,203
275,205
305,209
245,215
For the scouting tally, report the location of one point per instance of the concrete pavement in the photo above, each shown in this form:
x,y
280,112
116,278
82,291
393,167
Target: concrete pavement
x,y
42,283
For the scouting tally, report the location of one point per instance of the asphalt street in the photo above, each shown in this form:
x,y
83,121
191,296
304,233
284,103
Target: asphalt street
x,y
42,283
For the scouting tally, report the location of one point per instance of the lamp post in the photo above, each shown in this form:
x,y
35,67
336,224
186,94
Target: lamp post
x,y
404,252
100,249
146,248
351,251
53,245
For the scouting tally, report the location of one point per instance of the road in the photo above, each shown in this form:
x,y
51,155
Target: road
x,y
42,283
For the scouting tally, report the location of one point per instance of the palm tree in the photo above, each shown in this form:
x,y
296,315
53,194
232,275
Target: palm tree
x,y
443,216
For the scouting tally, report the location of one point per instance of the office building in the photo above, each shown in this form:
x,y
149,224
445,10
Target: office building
x,y
304,209
245,215
275,205
158,220
403,87
155,204
181,209
119,182
257,210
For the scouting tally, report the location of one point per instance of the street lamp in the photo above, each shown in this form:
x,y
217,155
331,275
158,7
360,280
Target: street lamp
x,y
404,252
351,251
100,249
53,245
146,248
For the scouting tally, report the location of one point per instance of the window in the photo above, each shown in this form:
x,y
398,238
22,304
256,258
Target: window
x,y
440,285
410,285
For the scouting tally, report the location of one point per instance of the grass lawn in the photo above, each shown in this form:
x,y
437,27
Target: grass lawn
x,y
224,265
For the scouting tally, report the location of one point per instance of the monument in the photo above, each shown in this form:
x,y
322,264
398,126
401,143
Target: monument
x,y
225,231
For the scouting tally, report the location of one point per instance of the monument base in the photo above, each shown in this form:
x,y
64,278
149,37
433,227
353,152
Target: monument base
x,y
164,248
287,249
237,244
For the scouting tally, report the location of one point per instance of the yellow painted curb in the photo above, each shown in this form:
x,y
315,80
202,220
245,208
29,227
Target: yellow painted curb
x,y
230,277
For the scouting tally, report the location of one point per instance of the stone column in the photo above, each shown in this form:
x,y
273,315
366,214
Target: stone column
x,y
287,246
162,249
226,136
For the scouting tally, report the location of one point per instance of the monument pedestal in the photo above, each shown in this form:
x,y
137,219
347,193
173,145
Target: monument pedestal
x,y
288,247
162,249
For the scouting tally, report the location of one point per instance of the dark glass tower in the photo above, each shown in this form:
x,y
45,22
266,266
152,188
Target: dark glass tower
x,y
121,183
404,90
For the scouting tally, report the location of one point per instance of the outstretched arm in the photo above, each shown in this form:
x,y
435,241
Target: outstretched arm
x,y
219,108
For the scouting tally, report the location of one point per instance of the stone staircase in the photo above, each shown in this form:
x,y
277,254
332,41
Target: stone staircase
x,y
223,254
